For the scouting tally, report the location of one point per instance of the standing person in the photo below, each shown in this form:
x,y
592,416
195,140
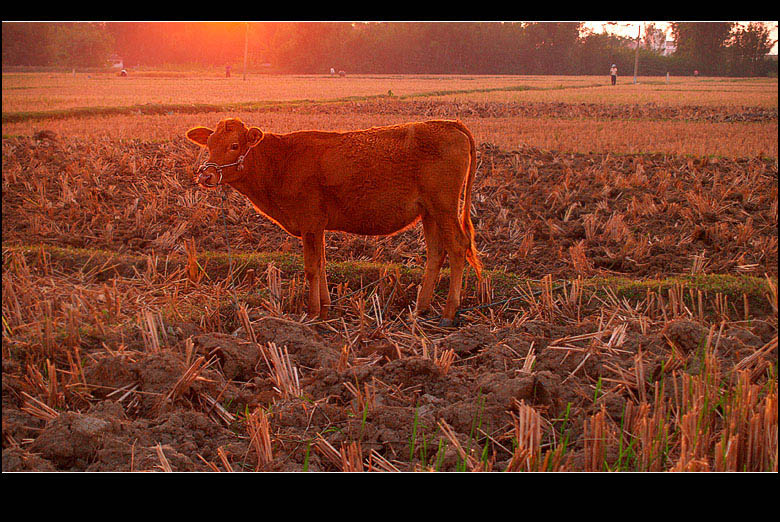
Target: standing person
x,y
613,73
227,71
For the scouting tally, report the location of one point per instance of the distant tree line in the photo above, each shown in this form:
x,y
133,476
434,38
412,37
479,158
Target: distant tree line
x,y
712,48
64,44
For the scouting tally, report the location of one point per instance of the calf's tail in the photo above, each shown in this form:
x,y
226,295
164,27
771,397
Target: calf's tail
x,y
472,255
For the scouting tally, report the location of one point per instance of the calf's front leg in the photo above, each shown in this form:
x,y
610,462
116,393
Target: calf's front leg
x,y
313,267
324,295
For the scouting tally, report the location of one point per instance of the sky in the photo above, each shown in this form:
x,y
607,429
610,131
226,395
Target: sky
x,y
630,29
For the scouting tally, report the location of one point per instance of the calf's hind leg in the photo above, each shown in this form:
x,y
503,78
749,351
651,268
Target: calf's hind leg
x,y
456,243
435,254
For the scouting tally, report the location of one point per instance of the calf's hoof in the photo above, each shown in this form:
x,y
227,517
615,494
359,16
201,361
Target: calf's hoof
x,y
446,323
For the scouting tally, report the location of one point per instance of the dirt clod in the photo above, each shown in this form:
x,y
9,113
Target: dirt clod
x,y
686,335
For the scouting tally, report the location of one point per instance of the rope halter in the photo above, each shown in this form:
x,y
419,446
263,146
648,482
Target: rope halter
x,y
239,164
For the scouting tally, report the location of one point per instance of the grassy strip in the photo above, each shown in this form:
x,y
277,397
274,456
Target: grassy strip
x,y
196,108
145,108
104,265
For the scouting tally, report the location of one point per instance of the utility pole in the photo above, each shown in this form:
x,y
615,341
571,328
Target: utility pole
x,y
246,47
636,54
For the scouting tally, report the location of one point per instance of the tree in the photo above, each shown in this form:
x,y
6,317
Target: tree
x,y
597,51
551,46
654,38
26,43
392,47
80,44
749,47
702,44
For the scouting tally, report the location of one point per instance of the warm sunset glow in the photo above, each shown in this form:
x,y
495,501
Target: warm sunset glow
x,y
389,247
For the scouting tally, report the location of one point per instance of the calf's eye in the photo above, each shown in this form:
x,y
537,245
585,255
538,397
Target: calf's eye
x,y
234,146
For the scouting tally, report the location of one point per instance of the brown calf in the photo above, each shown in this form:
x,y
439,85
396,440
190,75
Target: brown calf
x,y
376,181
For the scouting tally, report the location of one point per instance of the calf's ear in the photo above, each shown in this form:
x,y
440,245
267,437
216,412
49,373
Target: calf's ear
x,y
253,136
199,135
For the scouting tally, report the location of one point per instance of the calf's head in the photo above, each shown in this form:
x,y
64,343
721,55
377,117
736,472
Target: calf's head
x,y
227,147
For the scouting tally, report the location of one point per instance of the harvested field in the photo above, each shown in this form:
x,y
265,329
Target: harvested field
x,y
467,109
704,92
140,198
627,321
691,130
44,91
